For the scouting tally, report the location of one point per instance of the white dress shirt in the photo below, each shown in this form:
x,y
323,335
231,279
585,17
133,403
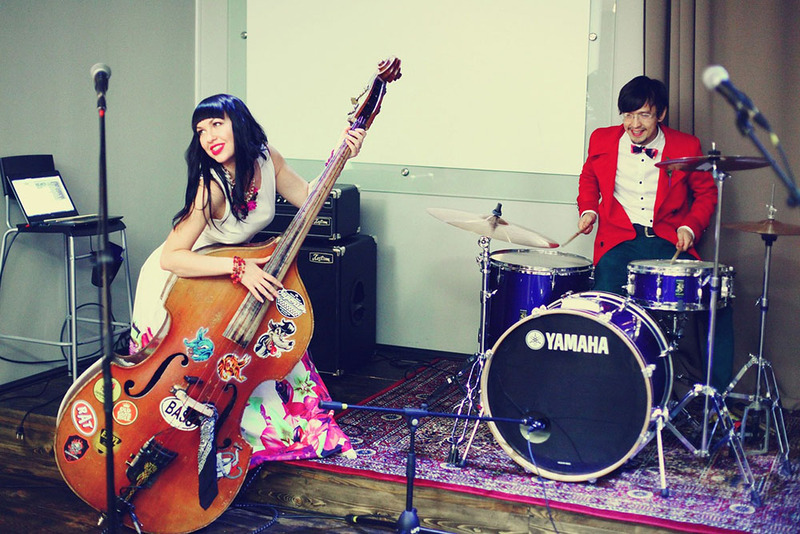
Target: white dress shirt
x,y
636,182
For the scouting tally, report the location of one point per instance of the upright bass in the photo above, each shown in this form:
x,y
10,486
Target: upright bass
x,y
180,458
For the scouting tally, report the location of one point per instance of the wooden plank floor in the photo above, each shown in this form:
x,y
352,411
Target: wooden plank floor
x,y
34,498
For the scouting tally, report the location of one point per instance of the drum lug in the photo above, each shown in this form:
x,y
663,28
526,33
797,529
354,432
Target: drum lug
x,y
658,287
649,370
537,311
631,289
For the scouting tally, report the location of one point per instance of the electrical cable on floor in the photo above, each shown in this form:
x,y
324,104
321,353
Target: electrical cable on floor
x,y
544,489
21,427
277,512
35,396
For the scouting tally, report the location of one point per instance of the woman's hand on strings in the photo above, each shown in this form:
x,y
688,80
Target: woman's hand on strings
x,y
261,284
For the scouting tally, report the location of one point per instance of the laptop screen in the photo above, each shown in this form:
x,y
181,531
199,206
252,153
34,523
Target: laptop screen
x,y
42,196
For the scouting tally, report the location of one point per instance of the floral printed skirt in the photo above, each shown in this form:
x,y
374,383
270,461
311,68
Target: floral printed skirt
x,y
283,422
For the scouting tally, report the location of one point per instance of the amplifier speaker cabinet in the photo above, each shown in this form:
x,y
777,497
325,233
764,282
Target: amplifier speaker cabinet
x,y
341,282
340,215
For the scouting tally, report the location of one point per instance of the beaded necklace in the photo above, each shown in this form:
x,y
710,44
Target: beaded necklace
x,y
250,202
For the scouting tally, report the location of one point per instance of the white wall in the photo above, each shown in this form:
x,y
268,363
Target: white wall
x,y
428,279
49,106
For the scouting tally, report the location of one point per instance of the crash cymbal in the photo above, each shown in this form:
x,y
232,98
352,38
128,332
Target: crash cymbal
x,y
705,163
765,227
493,227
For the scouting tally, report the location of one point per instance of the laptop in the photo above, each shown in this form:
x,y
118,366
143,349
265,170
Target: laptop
x,y
44,200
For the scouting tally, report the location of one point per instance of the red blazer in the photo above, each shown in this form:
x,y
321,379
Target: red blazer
x,y
682,198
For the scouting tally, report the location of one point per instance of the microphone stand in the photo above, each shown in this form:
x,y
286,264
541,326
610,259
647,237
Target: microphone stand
x,y
107,336
747,130
408,522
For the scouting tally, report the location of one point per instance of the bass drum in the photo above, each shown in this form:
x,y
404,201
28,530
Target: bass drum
x,y
591,368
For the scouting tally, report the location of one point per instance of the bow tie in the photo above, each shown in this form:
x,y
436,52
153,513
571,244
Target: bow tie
x,y
650,152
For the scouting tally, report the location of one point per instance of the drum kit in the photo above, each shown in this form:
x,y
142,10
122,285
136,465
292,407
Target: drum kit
x,y
594,369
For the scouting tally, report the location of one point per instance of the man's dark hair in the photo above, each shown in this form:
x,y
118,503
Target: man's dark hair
x,y
640,91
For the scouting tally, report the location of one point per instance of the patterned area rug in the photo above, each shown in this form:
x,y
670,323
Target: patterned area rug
x,y
705,494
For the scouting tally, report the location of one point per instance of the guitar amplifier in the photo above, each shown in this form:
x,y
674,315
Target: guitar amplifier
x,y
340,215
341,282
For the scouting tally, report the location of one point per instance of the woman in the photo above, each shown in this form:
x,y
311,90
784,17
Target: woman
x,y
233,175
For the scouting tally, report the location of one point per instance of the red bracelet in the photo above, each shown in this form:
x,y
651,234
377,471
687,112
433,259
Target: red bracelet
x,y
238,269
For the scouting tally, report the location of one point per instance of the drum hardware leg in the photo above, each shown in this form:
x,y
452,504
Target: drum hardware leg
x,y
465,408
661,417
661,414
710,395
769,402
467,405
729,437
458,460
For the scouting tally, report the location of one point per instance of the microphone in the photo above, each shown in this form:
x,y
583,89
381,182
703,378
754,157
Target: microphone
x,y
332,405
100,73
716,78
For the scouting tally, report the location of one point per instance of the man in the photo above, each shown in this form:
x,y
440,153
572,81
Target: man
x,y
643,212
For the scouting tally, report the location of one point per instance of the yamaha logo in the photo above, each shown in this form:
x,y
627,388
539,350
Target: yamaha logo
x,y
536,340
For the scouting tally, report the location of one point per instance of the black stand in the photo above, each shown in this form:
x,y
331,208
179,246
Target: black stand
x,y
712,398
786,176
408,522
107,332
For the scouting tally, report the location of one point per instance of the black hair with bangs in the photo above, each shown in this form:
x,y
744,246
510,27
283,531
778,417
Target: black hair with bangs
x,y
250,142
640,91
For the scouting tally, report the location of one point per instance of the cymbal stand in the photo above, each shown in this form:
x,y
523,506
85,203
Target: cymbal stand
x,y
769,400
710,395
473,370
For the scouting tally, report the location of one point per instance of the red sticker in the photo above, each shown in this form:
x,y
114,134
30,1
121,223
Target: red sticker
x,y
125,412
84,418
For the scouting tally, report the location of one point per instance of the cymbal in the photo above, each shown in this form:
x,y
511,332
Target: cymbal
x,y
704,163
492,227
765,227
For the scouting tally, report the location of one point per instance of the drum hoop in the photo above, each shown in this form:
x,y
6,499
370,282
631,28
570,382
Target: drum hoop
x,y
637,446
640,267
679,306
539,269
527,269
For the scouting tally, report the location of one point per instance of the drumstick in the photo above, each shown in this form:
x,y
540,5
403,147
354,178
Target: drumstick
x,y
674,256
576,234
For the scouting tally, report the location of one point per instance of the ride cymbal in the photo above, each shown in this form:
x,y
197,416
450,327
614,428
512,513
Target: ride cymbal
x,y
706,163
765,227
493,227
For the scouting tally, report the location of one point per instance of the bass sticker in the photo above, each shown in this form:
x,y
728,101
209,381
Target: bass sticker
x,y
231,365
275,341
176,413
125,412
200,348
75,448
290,303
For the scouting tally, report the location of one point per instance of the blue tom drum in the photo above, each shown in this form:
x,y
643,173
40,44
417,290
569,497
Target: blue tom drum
x,y
680,285
523,280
